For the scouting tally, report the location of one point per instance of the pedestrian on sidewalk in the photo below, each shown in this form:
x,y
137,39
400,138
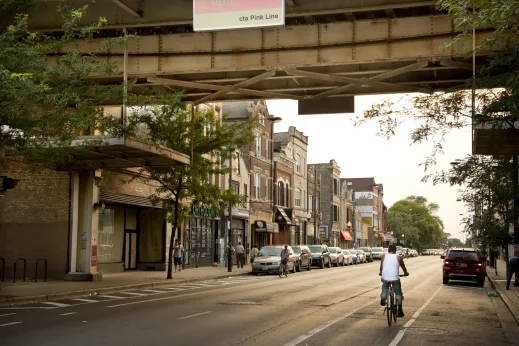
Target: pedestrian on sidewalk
x,y
513,267
177,256
254,253
240,255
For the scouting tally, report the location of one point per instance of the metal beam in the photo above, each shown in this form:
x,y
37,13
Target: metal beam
x,y
341,79
458,64
290,3
126,8
237,86
377,78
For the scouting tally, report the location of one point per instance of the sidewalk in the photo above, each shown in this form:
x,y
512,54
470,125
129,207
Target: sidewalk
x,y
25,292
510,298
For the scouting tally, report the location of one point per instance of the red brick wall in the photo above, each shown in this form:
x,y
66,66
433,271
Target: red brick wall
x,y
34,219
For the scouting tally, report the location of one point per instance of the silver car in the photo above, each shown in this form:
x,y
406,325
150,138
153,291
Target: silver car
x,y
348,257
337,256
377,252
269,260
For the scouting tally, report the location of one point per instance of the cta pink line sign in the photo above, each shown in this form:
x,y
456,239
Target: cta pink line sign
x,y
237,14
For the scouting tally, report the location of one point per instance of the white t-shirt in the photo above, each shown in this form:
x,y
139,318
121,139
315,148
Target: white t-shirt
x,y
240,249
390,267
178,252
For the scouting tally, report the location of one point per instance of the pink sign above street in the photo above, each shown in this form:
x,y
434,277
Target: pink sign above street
x,y
237,14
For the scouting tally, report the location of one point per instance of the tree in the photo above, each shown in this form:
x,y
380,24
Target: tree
x,y
169,124
412,218
47,100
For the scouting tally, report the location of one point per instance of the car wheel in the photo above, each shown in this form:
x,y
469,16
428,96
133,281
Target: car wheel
x,y
298,266
336,264
255,274
445,280
481,282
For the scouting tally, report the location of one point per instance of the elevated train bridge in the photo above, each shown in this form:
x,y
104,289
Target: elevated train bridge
x,y
327,52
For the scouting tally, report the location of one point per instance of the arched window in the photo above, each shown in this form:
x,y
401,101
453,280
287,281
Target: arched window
x,y
281,193
287,204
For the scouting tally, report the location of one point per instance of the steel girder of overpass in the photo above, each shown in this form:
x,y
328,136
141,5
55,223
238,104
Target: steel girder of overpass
x,y
325,52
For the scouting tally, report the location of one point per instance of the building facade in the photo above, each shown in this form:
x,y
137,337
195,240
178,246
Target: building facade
x,y
259,159
314,204
299,151
330,200
283,193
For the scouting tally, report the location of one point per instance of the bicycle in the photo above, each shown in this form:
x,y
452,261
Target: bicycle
x,y
283,269
391,308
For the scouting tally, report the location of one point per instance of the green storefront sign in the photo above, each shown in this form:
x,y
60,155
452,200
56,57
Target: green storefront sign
x,y
204,211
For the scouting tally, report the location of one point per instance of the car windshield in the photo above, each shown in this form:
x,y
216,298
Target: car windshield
x,y
377,249
346,252
297,250
332,249
316,249
364,249
467,255
360,251
270,251
398,248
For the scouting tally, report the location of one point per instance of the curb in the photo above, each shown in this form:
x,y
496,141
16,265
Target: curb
x,y
509,305
107,290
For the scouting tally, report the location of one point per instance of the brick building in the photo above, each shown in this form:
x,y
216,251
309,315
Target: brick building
x,y
283,193
314,204
298,153
330,200
259,159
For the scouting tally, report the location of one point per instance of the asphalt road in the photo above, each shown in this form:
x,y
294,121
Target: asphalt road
x,y
338,306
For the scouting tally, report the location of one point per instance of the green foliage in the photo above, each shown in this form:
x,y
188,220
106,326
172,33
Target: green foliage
x,y
48,99
486,188
415,218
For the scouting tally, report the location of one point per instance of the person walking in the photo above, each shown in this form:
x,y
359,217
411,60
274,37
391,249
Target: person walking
x,y
254,253
240,255
513,267
177,255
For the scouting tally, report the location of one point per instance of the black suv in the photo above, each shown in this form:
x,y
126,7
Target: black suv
x,y
320,256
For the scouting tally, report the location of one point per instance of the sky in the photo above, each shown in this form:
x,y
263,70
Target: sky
x,y
394,162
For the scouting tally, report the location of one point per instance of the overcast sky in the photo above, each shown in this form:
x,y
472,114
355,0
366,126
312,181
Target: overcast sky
x,y
394,163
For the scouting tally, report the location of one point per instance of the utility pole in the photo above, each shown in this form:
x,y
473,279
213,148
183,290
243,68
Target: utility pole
x,y
353,218
229,252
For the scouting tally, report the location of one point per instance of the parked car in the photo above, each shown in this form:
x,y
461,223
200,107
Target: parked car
x,y
337,256
464,264
304,257
368,253
427,252
362,255
349,258
320,256
269,259
377,252
399,250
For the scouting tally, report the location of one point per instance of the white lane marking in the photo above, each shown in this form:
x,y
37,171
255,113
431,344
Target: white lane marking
x,y
316,330
86,300
400,334
134,293
397,338
170,297
68,313
58,305
154,291
111,297
12,313
9,324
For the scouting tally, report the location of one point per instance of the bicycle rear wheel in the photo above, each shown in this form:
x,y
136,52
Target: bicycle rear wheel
x,y
389,308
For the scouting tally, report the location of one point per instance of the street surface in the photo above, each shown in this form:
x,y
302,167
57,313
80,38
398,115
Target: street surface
x,y
338,306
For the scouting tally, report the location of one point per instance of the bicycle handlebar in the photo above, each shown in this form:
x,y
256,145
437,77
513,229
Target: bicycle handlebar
x,y
401,275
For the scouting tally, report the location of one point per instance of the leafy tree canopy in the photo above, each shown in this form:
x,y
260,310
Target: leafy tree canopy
x,y
414,223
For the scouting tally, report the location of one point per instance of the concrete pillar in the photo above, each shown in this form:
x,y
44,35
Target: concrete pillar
x,y
75,223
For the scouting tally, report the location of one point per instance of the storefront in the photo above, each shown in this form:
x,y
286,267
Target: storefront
x,y
131,234
201,237
288,231
262,230
346,240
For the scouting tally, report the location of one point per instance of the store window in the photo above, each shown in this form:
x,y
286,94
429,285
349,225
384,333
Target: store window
x,y
111,235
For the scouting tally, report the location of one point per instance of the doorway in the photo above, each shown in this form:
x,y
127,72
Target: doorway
x,y
130,250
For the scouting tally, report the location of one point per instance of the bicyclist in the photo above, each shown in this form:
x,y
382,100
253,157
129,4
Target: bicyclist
x,y
389,268
285,254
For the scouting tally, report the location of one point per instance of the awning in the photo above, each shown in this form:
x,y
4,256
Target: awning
x,y
123,152
345,235
122,199
282,217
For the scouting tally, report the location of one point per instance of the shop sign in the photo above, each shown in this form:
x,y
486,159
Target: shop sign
x,y
204,211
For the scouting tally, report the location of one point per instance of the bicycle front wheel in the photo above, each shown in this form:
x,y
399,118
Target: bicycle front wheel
x,y
393,306
389,308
